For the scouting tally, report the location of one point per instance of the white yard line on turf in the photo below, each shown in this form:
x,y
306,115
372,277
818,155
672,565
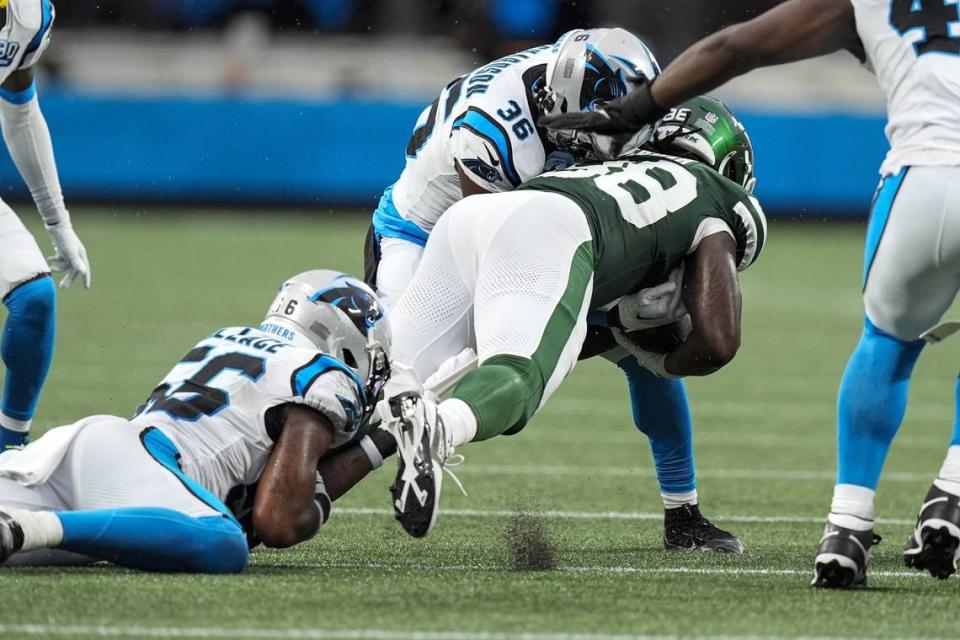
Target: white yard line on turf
x,y
607,515
601,569
253,633
637,472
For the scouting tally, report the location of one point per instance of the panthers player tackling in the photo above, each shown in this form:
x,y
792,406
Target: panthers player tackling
x,y
520,271
478,137
25,283
912,246
244,407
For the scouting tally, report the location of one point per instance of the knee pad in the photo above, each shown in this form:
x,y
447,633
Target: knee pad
x,y
523,380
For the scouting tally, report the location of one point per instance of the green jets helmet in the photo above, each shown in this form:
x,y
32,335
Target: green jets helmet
x,y
706,130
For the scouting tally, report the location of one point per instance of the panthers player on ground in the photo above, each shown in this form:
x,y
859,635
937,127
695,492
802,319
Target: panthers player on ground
x,y
25,283
912,248
244,406
478,137
521,297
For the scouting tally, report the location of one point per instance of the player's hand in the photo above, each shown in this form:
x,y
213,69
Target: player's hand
x,y
623,116
653,307
649,360
70,255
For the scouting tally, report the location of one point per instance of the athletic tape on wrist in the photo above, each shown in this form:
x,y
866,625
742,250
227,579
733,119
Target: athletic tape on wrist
x,y
373,454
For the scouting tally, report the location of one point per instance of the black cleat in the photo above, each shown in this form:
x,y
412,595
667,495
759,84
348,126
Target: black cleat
x,y
842,557
934,545
686,528
11,536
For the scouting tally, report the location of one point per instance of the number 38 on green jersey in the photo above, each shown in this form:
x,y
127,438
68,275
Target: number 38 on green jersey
x,y
648,211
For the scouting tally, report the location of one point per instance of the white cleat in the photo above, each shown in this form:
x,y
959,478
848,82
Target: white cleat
x,y
423,452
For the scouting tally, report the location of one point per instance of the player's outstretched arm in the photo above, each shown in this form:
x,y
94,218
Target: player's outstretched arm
x,y
28,140
794,30
711,294
288,509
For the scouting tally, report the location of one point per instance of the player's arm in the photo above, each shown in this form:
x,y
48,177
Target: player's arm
x,y
27,138
288,508
791,31
344,469
711,295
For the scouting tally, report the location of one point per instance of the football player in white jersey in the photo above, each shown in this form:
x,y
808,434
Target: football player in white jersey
x,y
912,255
479,136
246,406
26,287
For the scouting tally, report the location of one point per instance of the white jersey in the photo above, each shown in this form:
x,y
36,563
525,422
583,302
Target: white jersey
x,y
214,403
483,122
25,34
914,48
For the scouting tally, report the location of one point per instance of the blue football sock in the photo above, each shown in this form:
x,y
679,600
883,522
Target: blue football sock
x,y
873,399
955,438
26,350
153,539
661,410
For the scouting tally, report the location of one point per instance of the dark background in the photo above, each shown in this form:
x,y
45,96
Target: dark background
x,y
490,26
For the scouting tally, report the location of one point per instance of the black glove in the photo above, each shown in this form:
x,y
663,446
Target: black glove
x,y
625,115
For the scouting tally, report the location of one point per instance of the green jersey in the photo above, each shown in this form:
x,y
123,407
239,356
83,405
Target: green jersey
x,y
648,212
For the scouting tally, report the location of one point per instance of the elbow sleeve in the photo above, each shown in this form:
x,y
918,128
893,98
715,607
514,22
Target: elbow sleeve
x,y
28,140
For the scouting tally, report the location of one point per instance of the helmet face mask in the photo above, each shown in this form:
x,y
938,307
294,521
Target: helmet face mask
x,y
338,315
589,68
706,130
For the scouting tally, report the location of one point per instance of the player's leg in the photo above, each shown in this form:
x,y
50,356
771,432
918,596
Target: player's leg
x,y
534,283
131,505
907,289
662,412
530,255
389,265
934,545
26,348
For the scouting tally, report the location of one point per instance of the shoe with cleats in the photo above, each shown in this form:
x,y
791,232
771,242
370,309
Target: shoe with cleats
x,y
422,451
11,536
934,545
842,557
686,528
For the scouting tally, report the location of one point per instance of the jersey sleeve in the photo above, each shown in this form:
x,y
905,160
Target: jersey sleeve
x,y
497,147
39,21
332,389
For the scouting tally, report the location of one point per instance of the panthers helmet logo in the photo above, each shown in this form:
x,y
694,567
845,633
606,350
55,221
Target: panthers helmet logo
x,y
361,307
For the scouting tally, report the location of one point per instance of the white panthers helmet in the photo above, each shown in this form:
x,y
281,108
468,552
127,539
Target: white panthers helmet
x,y
589,68
339,315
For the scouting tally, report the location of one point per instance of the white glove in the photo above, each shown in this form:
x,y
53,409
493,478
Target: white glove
x,y
654,307
649,360
70,255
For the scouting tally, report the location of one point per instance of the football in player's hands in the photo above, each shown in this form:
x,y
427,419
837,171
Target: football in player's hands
x,y
663,339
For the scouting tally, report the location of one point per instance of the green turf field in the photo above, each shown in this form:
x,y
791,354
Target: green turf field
x,y
765,433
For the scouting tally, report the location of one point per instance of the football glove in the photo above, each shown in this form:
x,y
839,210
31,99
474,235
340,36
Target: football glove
x,y
70,255
654,307
621,117
653,362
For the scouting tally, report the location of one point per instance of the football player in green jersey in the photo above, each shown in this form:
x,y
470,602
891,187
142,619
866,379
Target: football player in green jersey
x,y
514,275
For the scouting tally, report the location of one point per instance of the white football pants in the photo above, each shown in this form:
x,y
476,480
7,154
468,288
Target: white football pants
x,y
913,251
